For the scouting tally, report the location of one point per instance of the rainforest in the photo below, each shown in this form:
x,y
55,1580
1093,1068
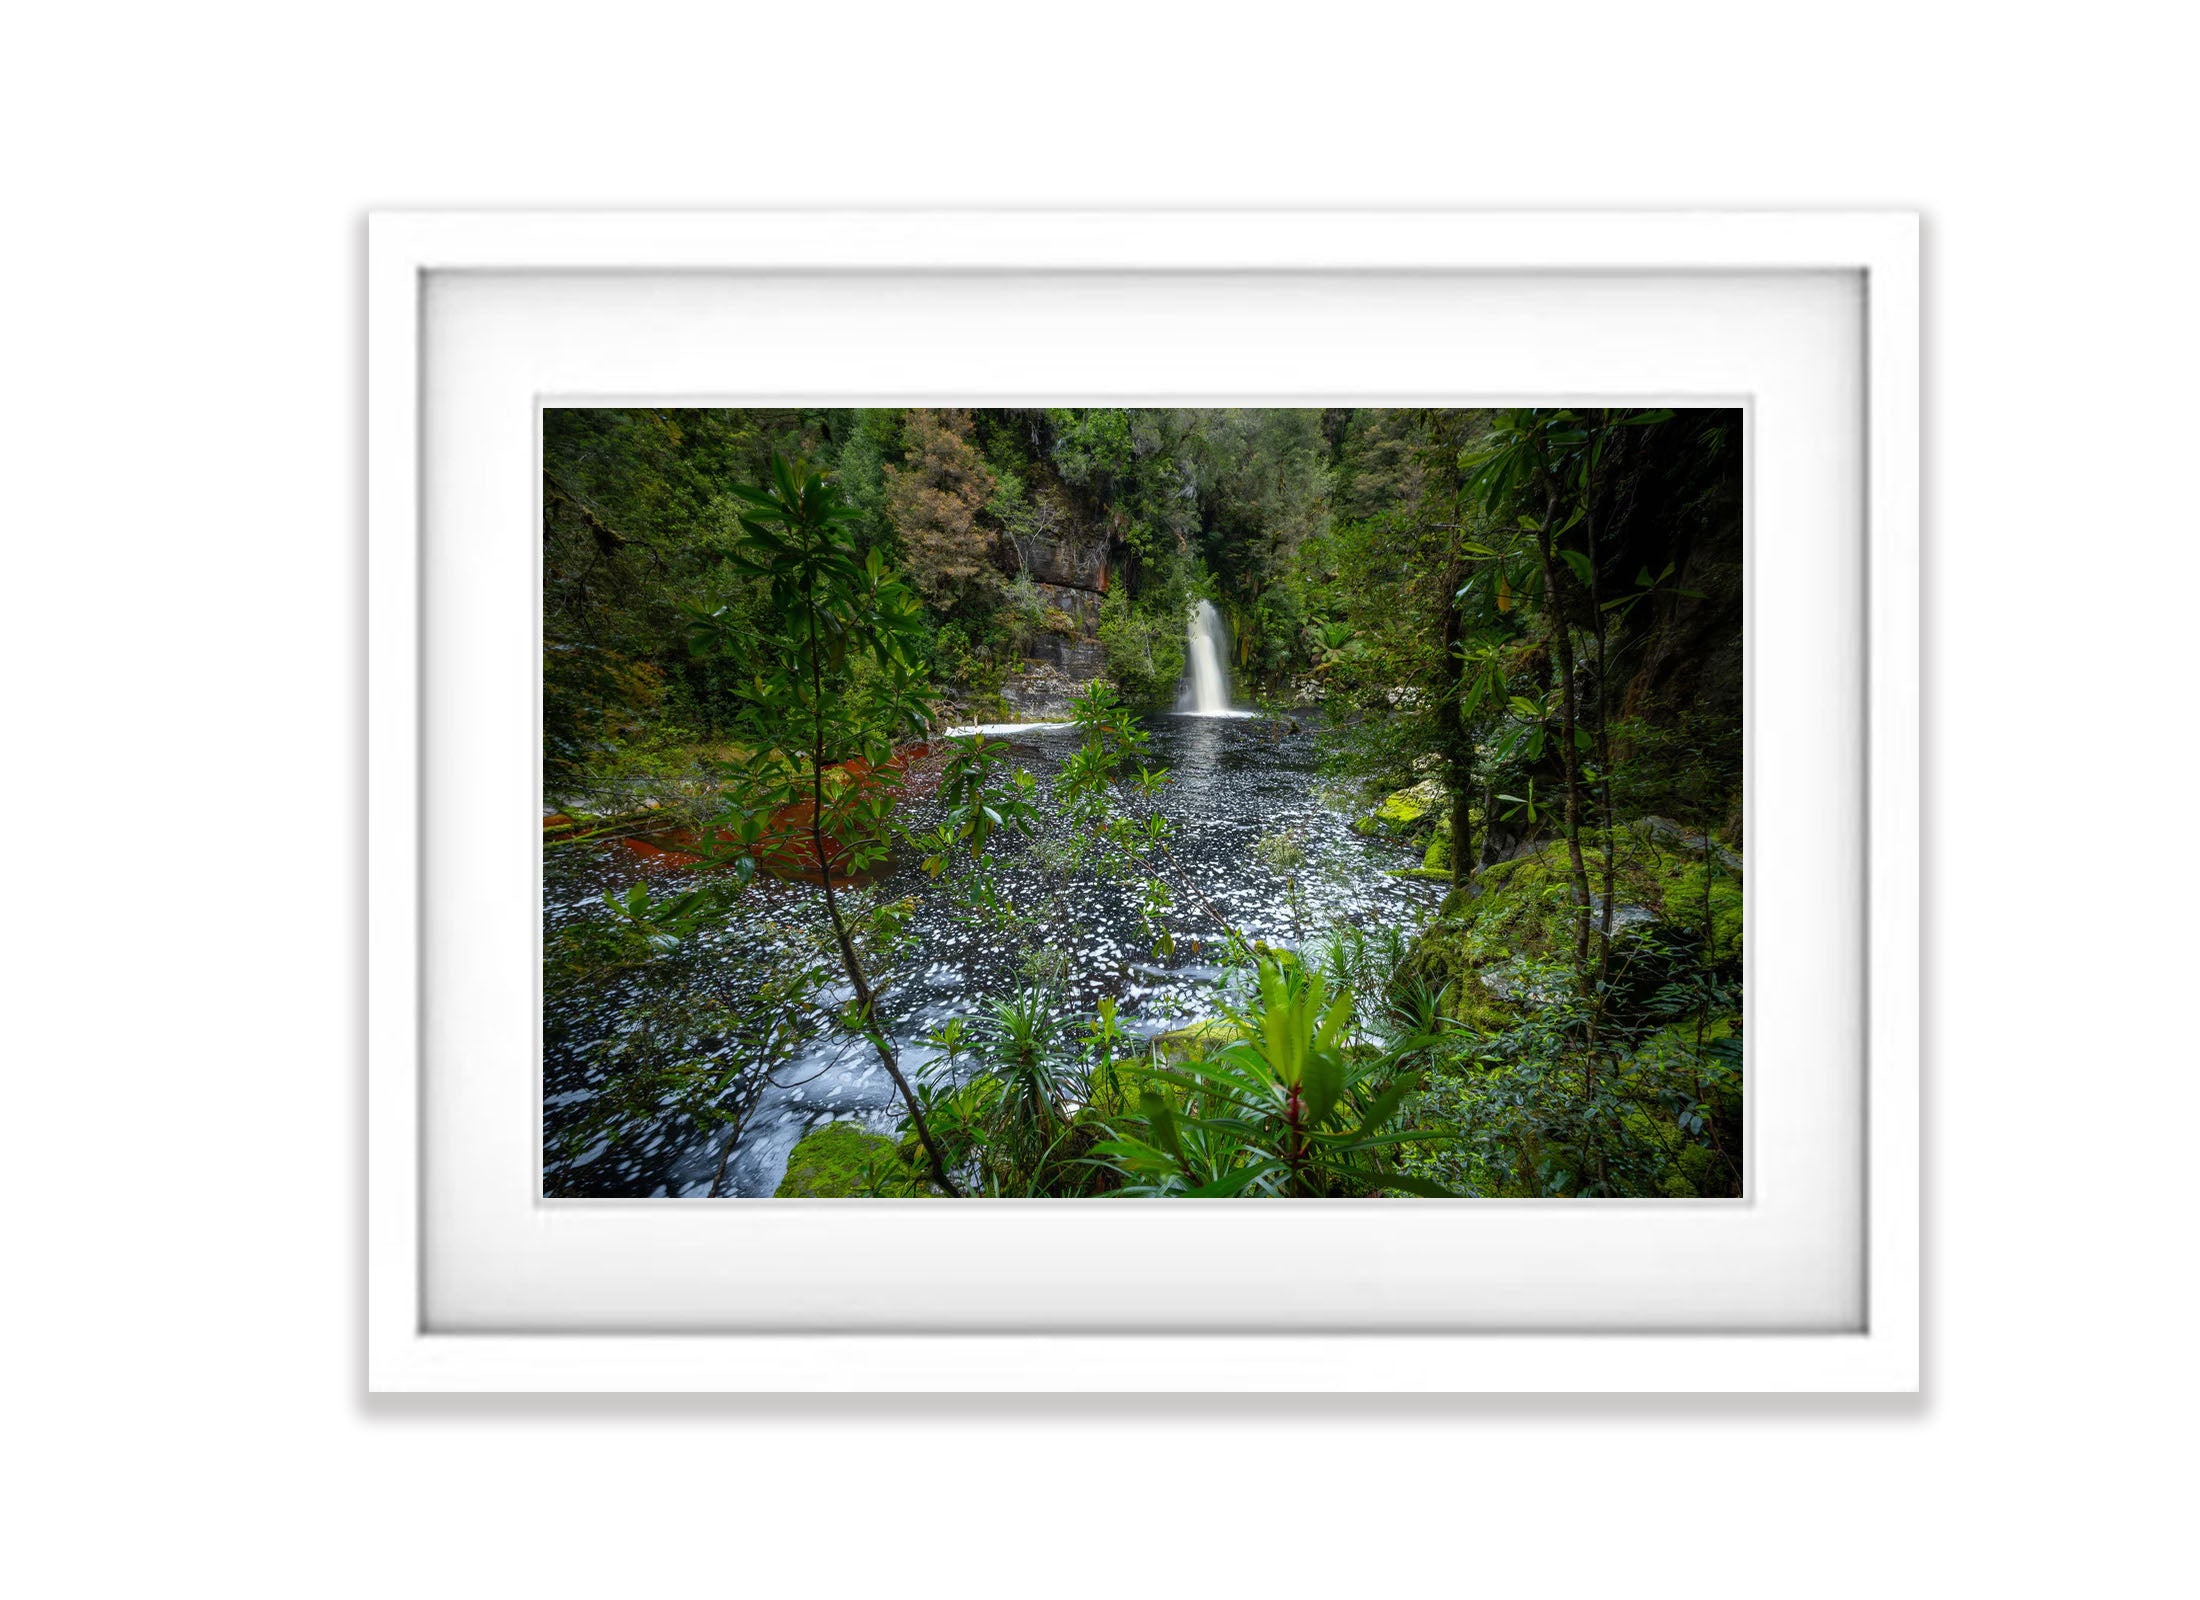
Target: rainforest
x,y
1121,803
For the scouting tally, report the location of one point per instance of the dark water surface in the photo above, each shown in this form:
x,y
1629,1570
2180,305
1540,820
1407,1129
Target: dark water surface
x,y
1235,780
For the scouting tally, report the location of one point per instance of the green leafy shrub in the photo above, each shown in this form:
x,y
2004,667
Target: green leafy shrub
x,y
1144,649
1291,1108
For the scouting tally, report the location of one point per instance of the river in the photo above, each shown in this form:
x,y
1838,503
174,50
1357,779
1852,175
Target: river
x,y
1236,779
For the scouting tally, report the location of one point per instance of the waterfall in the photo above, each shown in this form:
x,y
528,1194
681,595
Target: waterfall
x,y
1206,690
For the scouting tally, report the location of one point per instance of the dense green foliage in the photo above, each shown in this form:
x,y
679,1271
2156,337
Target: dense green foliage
x,y
1519,632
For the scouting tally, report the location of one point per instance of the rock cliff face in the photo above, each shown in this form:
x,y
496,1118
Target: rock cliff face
x,y
1076,559
1081,606
1039,691
1071,571
1075,658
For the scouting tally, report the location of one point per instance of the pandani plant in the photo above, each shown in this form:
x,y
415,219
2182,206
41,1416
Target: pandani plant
x,y
1295,1107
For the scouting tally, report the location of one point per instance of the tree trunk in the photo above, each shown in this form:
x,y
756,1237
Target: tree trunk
x,y
866,1002
1604,749
1452,730
1569,692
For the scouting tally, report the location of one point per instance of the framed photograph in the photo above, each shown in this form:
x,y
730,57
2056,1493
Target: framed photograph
x,y
1143,801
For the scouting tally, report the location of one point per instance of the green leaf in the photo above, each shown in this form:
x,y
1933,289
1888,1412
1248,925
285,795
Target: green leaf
x,y
1233,1183
1323,1082
1399,1181
1161,1116
1385,1105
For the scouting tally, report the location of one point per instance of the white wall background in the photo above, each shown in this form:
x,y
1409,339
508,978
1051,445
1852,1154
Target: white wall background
x,y
180,510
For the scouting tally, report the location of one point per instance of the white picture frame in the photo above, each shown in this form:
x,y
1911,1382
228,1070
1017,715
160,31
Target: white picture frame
x,y
599,1346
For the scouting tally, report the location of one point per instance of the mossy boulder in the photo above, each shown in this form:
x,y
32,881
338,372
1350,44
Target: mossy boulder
x,y
1523,908
1673,835
1437,857
1405,812
835,1161
1199,1039
1700,890
1445,959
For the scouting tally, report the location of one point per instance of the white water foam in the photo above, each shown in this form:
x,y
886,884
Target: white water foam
x,y
1002,730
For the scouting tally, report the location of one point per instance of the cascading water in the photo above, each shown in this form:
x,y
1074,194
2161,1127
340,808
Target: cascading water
x,y
1206,690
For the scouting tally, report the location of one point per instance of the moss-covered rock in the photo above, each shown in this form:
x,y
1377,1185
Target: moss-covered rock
x,y
1437,857
1446,959
1703,889
1199,1039
1404,811
1524,908
1672,835
833,1162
